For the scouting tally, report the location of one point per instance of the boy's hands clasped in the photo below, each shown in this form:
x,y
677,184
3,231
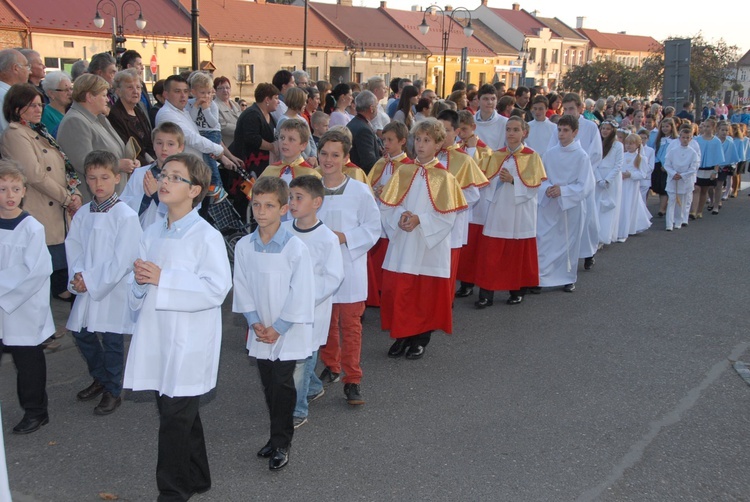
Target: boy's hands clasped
x,y
265,334
146,272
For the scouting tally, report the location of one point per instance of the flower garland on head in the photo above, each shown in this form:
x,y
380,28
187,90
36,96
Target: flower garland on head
x,y
71,176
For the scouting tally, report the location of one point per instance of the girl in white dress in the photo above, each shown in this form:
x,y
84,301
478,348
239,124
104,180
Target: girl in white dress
x,y
634,217
609,183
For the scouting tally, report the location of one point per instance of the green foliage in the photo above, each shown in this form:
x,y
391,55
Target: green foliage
x,y
603,78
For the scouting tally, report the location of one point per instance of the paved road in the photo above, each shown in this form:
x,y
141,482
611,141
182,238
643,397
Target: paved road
x,y
621,391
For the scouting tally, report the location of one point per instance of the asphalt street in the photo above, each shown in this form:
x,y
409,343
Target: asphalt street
x,y
620,391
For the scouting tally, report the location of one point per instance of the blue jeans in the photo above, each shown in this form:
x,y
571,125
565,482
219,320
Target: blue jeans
x,y
104,358
214,136
307,383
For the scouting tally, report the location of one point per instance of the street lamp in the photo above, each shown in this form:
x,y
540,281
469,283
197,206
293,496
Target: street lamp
x,y
523,55
424,28
351,49
128,8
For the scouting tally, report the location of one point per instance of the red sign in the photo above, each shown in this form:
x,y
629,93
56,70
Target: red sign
x,y
153,64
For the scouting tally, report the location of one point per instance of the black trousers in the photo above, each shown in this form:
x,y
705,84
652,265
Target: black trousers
x,y
182,466
277,378
31,378
420,339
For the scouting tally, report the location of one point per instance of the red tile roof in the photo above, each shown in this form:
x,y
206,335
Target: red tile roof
x,y
264,24
521,20
163,18
561,29
369,26
492,40
10,17
411,20
619,41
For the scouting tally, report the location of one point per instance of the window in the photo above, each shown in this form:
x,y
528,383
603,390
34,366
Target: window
x,y
246,73
482,79
63,64
554,56
580,57
743,75
289,68
314,72
179,69
566,61
532,54
182,50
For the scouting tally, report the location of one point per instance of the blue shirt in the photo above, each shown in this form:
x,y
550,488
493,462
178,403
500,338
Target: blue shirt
x,y
275,245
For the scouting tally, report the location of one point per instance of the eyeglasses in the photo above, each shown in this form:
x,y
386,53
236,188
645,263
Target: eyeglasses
x,y
27,66
35,105
173,178
69,89
223,88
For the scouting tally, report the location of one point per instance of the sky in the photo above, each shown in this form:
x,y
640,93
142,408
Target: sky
x,y
636,17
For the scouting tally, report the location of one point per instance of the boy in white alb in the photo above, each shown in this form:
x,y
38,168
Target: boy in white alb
x,y
490,124
349,210
591,143
418,212
141,191
681,164
394,137
507,247
25,316
561,215
274,288
541,129
101,247
470,178
306,196
181,280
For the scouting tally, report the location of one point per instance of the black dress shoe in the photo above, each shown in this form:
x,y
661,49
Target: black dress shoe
x,y
108,404
266,451
29,425
464,292
278,459
535,290
90,392
415,352
588,263
483,303
398,348
514,300
569,288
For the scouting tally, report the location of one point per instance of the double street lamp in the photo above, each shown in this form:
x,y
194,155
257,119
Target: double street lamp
x,y
523,55
128,8
424,28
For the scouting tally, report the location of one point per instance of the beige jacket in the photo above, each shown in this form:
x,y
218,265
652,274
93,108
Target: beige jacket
x,y
44,167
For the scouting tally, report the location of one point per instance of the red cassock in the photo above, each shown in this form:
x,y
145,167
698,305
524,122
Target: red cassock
x,y
512,264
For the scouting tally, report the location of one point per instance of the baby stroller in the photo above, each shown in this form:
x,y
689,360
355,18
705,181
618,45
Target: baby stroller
x,y
224,217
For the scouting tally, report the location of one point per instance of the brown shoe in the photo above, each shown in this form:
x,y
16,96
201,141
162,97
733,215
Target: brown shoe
x,y
108,404
90,392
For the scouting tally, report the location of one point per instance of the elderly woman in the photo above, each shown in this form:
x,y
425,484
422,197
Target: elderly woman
x,y
52,196
105,66
58,86
129,119
229,110
85,128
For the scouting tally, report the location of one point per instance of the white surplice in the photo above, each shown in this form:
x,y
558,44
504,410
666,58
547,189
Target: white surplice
x,y
491,131
277,285
133,195
177,338
608,175
540,135
25,267
355,214
328,269
512,207
560,220
103,247
426,250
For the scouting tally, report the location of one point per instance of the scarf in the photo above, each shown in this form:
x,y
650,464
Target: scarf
x,y
71,176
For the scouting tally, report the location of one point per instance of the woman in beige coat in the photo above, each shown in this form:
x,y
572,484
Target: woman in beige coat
x,y
52,196
85,128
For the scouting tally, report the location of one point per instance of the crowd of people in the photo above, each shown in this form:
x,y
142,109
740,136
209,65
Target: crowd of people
x,y
377,194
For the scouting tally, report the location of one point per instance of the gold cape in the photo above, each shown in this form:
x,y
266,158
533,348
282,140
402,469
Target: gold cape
x,y
466,171
351,170
377,169
445,193
530,168
299,168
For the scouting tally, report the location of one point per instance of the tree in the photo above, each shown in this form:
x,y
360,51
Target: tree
x,y
602,78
